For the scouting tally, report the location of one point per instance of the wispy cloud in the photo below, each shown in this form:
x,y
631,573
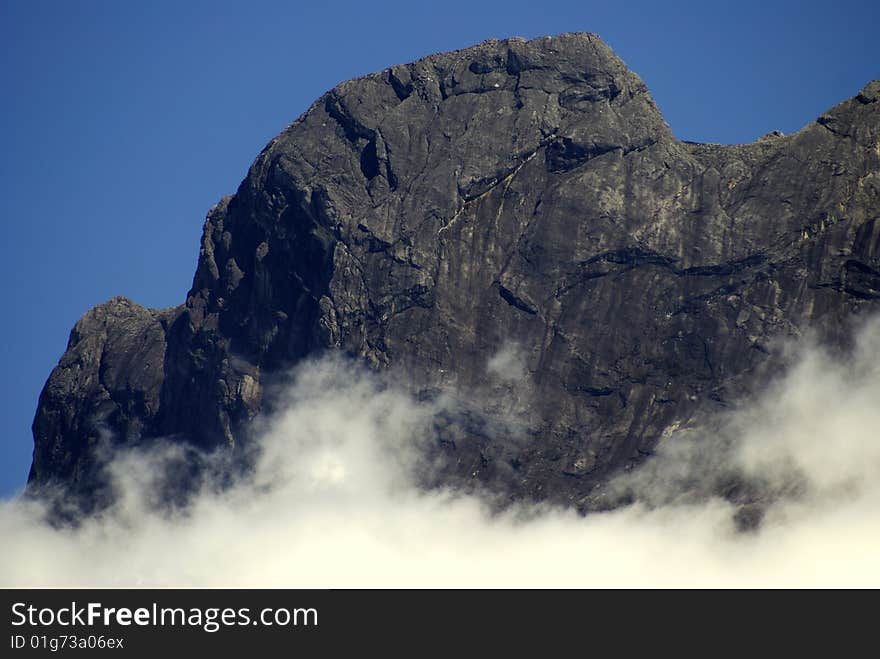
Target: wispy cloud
x,y
333,500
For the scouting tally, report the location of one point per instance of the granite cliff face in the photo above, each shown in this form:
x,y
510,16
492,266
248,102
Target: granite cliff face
x,y
518,198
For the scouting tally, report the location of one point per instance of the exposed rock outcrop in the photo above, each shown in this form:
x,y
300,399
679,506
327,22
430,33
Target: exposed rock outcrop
x,y
516,193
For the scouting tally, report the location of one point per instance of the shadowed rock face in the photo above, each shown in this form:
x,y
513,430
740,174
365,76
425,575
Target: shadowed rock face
x,y
513,224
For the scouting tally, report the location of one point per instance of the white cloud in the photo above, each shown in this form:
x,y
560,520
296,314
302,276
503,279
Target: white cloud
x,y
508,364
332,502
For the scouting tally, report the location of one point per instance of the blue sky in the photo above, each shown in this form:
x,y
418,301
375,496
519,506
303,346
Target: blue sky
x,y
123,122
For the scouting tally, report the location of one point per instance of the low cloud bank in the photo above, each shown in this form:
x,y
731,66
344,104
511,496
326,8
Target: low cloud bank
x,y
333,502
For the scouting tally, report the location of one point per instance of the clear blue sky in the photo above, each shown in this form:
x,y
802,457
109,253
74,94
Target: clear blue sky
x,y
123,121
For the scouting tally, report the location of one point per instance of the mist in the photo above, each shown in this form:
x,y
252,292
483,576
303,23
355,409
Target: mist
x,y
333,500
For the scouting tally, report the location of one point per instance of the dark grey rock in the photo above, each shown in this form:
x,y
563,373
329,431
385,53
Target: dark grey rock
x,y
518,192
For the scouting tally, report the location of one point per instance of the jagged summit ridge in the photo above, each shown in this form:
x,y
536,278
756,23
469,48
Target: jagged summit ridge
x,y
518,192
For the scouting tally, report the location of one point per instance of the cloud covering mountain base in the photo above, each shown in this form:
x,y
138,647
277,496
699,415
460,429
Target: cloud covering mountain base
x,y
333,501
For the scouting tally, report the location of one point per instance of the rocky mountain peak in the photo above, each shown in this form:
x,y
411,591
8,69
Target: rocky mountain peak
x,y
516,195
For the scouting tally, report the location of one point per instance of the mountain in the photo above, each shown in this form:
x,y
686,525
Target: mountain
x,y
515,226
